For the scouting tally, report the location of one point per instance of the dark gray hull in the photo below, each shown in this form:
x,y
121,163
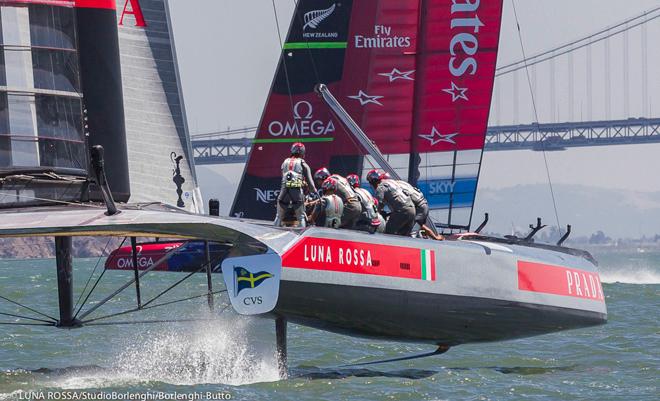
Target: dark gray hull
x,y
422,317
475,296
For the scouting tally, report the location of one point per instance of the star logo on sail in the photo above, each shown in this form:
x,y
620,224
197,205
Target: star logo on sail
x,y
366,99
396,74
456,92
435,137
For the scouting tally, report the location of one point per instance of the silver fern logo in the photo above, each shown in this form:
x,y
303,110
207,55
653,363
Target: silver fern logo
x,y
315,17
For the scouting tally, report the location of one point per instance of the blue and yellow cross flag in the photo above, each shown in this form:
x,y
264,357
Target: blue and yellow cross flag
x,y
253,282
246,279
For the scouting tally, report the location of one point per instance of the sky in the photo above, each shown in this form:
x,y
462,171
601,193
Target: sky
x,y
228,51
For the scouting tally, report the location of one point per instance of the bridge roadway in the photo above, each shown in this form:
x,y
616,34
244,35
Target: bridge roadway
x,y
217,149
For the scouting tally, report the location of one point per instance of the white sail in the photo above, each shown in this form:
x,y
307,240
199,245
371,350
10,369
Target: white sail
x,y
156,125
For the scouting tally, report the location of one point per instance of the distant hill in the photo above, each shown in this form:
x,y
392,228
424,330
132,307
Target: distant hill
x,y
44,247
619,214
588,209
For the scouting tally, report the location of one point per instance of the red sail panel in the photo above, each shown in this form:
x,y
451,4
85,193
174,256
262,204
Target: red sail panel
x,y
455,75
109,4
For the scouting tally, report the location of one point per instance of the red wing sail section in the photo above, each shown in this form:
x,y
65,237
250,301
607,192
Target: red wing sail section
x,y
392,84
455,74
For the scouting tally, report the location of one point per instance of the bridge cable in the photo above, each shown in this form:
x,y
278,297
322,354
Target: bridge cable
x,y
645,15
587,44
536,116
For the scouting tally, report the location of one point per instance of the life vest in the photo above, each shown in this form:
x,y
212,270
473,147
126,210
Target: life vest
x,y
292,172
414,193
334,208
344,189
394,195
368,205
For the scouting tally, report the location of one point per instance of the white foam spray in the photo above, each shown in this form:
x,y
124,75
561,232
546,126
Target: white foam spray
x,y
631,275
224,350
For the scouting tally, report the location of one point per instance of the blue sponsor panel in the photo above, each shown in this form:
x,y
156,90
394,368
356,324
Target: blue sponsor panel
x,y
439,191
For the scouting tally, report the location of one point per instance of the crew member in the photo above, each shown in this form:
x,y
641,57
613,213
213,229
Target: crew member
x,y
421,208
390,193
352,206
296,175
329,208
370,220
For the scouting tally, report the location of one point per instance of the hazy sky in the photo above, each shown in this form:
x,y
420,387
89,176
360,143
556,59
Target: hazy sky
x,y
228,50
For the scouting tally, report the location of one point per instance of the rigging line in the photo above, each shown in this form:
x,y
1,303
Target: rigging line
x,y
536,116
25,317
309,50
94,271
224,309
98,280
202,267
608,29
129,283
150,322
573,49
26,324
28,308
126,312
283,59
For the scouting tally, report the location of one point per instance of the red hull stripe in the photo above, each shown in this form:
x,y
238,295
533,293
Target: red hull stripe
x,y
107,4
356,257
558,280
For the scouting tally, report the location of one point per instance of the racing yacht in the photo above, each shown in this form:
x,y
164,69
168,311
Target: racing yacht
x,y
400,85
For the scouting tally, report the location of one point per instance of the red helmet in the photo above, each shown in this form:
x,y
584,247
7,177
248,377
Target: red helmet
x,y
321,174
354,180
374,176
385,176
329,184
298,149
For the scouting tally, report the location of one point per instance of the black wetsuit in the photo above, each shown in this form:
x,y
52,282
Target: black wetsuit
x,y
402,218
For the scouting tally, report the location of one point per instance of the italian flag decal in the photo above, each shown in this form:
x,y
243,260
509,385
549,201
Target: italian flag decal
x,y
361,258
428,264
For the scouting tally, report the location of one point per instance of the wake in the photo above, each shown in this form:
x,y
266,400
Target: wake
x,y
631,275
222,351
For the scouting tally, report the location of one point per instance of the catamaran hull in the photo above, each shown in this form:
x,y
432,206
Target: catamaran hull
x,y
379,286
475,292
399,315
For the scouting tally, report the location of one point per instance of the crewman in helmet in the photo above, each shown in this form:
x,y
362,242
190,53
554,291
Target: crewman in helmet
x,y
296,176
352,206
421,208
390,193
370,220
329,208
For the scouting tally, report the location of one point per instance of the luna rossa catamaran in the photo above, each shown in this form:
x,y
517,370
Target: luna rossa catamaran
x,y
415,76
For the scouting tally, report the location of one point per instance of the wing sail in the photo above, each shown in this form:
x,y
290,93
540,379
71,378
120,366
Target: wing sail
x,y
156,127
416,75
456,62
